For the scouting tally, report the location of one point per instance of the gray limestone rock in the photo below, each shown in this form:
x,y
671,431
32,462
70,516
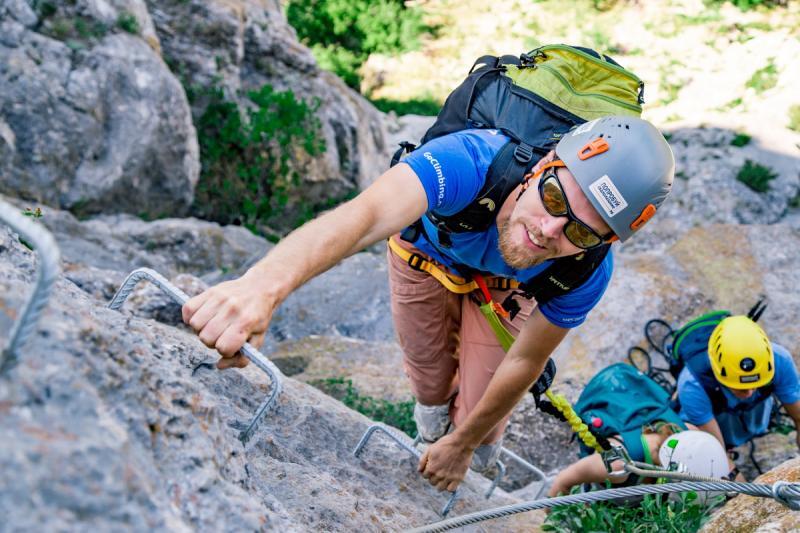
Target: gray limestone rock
x,y
748,513
90,117
351,299
122,243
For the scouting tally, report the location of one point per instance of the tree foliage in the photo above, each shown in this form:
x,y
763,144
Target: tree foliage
x,y
342,33
249,158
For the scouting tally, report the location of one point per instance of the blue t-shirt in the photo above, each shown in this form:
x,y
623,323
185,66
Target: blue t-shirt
x,y
453,169
740,427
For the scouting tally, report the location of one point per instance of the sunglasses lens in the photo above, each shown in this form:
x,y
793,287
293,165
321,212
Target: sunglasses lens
x,y
553,197
580,235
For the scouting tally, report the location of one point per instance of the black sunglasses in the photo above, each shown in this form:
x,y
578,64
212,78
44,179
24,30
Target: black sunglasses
x,y
555,202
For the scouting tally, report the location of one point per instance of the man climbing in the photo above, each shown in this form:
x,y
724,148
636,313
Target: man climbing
x,y
627,408
728,391
602,182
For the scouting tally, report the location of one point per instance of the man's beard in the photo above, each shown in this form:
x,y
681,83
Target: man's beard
x,y
515,257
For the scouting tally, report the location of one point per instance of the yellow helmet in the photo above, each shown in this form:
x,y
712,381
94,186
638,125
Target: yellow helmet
x,y
741,354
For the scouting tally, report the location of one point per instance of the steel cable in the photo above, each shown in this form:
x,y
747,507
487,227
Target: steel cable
x,y
786,493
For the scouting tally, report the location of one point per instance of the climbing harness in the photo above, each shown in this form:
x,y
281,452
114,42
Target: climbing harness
x,y
46,249
251,353
786,493
451,282
558,401
411,448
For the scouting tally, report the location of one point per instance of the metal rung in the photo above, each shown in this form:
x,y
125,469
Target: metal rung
x,y
267,366
49,267
403,443
519,460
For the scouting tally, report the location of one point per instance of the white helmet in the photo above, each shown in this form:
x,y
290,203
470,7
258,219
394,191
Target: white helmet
x,y
699,452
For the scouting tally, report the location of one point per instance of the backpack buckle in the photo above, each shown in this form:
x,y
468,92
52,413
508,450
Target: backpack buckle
x,y
523,153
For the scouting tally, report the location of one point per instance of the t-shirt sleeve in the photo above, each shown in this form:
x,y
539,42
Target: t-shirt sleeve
x,y
787,385
571,309
695,403
447,168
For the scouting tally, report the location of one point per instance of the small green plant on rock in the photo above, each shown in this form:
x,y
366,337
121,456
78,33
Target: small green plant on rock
x,y
127,21
33,213
740,139
250,159
395,414
764,79
794,202
756,176
418,106
748,5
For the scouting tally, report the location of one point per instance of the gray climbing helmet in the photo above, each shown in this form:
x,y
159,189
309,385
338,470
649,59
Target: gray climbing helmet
x,y
623,165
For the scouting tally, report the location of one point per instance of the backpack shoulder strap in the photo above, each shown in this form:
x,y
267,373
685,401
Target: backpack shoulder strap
x,y
564,274
505,172
700,367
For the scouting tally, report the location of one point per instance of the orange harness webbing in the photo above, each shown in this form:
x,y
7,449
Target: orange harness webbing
x,y
451,282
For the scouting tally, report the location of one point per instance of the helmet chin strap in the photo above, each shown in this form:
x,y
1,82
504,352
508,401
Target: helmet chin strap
x,y
529,177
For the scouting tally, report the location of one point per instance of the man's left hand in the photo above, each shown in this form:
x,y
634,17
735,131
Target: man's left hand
x,y
444,464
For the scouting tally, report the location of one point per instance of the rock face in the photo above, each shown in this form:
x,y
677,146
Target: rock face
x,y
103,424
351,300
92,119
745,514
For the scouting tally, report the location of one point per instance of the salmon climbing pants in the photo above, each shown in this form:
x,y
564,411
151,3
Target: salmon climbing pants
x,y
448,346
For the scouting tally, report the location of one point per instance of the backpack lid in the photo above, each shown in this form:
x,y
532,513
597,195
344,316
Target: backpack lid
x,y
579,82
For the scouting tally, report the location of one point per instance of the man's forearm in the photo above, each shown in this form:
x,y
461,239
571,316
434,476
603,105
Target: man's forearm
x,y
793,410
511,381
308,251
392,202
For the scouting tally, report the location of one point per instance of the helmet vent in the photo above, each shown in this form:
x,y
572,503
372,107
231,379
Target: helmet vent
x,y
769,366
723,373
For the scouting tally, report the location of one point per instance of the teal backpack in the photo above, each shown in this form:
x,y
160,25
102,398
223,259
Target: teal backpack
x,y
621,400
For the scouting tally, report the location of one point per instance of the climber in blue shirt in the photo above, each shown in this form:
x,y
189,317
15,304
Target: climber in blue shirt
x,y
535,241
730,393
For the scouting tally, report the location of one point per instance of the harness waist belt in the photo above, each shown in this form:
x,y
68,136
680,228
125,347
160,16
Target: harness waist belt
x,y
451,282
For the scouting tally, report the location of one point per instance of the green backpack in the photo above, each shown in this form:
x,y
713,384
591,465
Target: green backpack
x,y
620,400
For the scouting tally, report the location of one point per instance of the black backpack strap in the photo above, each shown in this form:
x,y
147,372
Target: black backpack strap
x,y
505,172
563,275
406,147
487,61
